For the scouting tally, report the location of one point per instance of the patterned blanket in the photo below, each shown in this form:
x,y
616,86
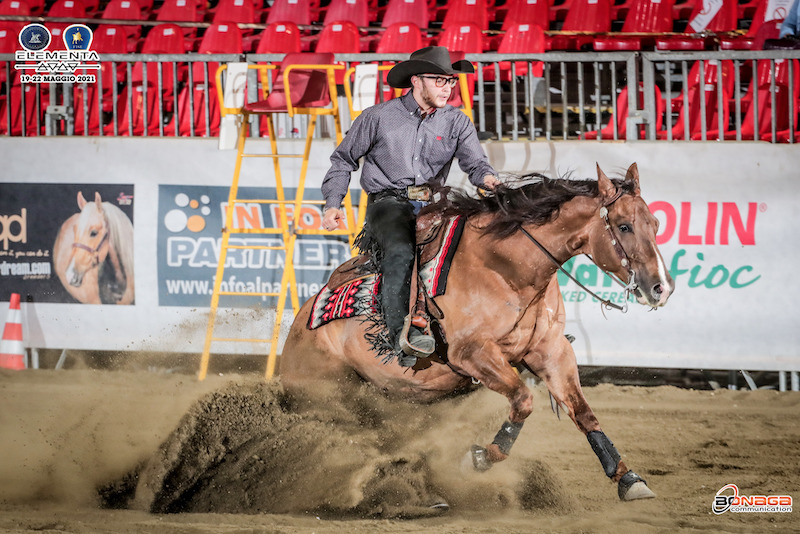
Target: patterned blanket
x,y
360,297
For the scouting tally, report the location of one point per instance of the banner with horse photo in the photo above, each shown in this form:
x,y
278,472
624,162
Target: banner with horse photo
x,y
67,243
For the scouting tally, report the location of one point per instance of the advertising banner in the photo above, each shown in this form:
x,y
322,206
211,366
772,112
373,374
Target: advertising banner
x,y
67,243
726,215
190,219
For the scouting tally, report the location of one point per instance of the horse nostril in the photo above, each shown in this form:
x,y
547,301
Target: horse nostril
x,y
657,290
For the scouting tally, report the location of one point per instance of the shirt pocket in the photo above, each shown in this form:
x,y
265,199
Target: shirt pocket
x,y
440,150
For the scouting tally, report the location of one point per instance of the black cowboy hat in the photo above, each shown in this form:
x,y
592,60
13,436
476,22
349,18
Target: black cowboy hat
x,y
428,60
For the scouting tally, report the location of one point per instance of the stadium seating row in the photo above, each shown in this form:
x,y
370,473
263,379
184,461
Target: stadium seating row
x,y
639,16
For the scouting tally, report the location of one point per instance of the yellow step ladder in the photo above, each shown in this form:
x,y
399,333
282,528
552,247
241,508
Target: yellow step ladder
x,y
297,77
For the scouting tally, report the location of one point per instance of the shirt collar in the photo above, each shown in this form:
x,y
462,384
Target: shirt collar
x,y
411,105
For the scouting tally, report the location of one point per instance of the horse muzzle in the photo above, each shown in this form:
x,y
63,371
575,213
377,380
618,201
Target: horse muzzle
x,y
654,295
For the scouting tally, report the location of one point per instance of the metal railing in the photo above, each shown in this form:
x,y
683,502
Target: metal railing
x,y
577,96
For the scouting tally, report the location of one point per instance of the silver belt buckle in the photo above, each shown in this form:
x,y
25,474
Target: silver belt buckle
x,y
419,192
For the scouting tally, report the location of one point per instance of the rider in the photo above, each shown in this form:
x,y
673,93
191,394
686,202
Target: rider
x,y
407,143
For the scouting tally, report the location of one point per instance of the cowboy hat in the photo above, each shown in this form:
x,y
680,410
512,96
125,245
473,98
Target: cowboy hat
x,y
428,60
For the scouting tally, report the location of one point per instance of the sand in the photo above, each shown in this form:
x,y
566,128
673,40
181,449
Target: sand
x,y
91,451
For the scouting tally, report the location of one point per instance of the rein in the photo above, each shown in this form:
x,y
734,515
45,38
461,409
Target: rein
x,y
623,258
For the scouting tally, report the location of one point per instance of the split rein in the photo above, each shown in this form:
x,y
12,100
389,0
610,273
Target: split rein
x,y
623,258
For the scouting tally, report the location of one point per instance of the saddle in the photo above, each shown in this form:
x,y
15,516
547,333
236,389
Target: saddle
x,y
430,237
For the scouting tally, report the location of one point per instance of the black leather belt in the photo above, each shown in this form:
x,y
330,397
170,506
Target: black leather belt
x,y
422,193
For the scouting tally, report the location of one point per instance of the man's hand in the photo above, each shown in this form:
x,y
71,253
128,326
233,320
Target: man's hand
x,y
490,181
331,218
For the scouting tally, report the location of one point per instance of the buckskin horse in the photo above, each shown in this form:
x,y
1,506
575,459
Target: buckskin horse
x,y
502,310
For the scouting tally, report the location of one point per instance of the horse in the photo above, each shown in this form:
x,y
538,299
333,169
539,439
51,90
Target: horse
x,y
503,310
93,254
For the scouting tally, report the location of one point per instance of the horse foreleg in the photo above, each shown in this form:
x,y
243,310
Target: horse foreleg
x,y
490,367
560,374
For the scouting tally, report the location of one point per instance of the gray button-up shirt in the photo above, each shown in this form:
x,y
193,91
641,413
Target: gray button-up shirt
x,y
400,148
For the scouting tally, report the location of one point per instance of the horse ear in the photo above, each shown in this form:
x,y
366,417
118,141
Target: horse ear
x,y
633,176
81,201
98,200
606,188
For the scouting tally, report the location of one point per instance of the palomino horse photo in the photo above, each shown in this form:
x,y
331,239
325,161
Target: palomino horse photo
x,y
93,254
502,311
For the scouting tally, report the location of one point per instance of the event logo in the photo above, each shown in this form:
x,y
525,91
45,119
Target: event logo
x,y
736,503
34,37
56,65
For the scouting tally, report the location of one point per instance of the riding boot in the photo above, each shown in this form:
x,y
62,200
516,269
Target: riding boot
x,y
392,224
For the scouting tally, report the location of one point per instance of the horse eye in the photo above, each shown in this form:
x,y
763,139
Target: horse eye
x,y
624,228
93,233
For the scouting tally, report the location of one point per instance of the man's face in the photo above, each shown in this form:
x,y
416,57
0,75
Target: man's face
x,y
431,95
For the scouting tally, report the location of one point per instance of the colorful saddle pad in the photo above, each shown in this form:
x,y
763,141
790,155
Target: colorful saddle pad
x,y
360,296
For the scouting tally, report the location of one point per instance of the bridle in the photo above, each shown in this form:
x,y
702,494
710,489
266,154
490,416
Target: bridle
x,y
621,254
95,251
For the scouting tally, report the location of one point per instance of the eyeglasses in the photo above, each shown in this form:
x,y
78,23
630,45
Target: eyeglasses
x,y
440,81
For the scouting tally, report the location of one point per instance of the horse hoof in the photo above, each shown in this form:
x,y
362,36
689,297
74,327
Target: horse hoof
x,y
440,506
476,459
632,487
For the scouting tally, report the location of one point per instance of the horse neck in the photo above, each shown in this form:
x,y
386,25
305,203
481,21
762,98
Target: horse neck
x,y
521,262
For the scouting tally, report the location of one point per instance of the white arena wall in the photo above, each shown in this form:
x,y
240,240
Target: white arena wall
x,y
728,217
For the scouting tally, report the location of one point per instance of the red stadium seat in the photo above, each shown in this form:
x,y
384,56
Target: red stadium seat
x,y
239,12
765,25
36,7
339,37
180,11
706,91
8,44
534,12
702,20
279,38
518,39
110,40
307,88
467,12
17,8
759,118
22,99
413,11
584,16
63,8
126,10
400,37
645,16
621,119
462,37
162,39
296,11
86,108
355,11
193,105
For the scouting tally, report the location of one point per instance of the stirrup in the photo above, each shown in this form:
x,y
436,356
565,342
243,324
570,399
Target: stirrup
x,y
414,342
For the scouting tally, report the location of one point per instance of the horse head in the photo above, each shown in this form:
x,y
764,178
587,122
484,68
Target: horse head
x,y
624,240
90,240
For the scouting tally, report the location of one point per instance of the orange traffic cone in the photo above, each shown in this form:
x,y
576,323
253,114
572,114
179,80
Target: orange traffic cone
x,y
12,352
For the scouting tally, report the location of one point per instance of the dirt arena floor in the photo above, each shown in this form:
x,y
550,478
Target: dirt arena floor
x,y
137,451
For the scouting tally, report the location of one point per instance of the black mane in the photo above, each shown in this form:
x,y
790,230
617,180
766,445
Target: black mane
x,y
529,199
